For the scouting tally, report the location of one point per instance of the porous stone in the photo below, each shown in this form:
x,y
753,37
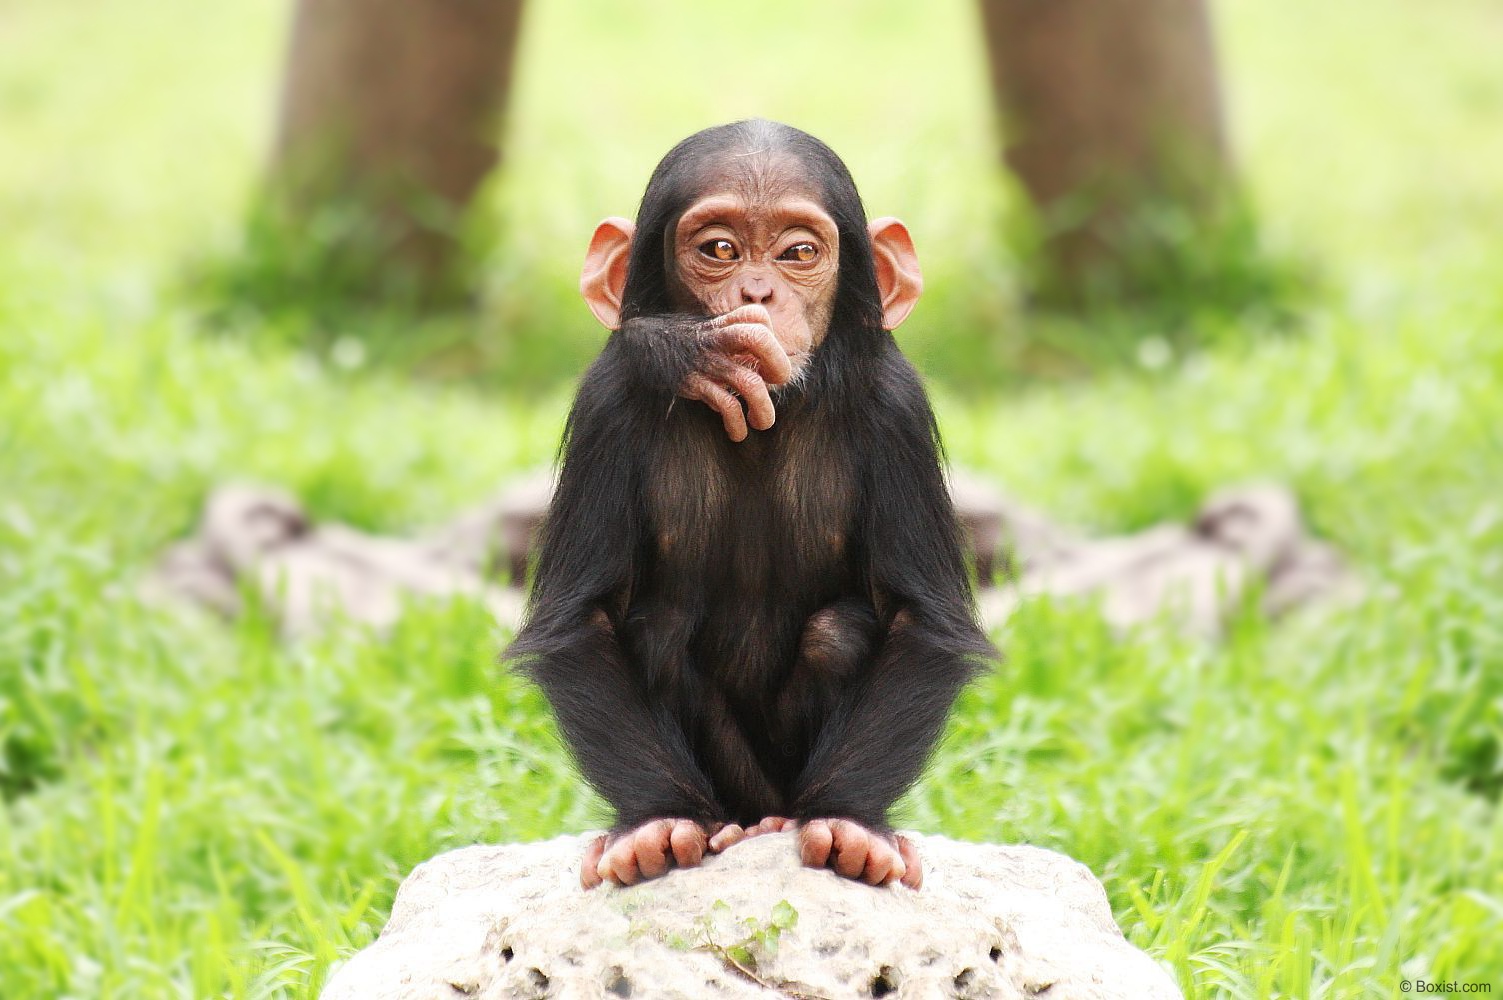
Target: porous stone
x,y
995,922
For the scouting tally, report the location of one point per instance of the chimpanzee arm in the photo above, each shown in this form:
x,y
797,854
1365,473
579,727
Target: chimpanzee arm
x,y
628,747
722,361
882,730
656,353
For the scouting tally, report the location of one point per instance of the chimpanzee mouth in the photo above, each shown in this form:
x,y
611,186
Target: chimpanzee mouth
x,y
801,369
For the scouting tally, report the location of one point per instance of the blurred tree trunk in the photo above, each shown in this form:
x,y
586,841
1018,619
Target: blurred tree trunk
x,y
1107,106
391,109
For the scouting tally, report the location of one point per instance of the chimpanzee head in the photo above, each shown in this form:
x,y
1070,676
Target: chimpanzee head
x,y
755,212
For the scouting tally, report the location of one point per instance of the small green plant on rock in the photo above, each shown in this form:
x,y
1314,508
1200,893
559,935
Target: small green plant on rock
x,y
755,940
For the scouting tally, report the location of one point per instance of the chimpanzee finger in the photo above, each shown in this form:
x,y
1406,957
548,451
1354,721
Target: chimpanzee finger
x,y
687,840
914,876
883,865
757,340
852,844
619,864
752,312
727,836
717,398
750,387
878,866
814,842
653,844
589,878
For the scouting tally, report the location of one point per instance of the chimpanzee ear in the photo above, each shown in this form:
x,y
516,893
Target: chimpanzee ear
x,y
899,279
603,280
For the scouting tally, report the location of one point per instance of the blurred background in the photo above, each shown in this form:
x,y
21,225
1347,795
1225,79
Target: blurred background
x,y
333,245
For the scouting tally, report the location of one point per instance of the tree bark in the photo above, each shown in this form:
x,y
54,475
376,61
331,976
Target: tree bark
x,y
393,107
1107,106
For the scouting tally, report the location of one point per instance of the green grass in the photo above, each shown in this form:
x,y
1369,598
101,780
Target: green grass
x,y
1308,809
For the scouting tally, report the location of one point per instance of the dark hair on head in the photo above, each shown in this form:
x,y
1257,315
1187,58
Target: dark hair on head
x,y
680,177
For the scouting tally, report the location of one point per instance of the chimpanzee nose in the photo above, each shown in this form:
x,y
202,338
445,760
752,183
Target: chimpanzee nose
x,y
756,291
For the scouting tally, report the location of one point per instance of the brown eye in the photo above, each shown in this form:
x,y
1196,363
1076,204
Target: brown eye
x,y
718,249
801,252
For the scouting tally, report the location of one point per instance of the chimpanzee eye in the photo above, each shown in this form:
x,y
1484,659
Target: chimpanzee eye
x,y
718,249
801,252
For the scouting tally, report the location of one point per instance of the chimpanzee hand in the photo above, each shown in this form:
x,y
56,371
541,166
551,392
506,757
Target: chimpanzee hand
x,y
645,852
859,853
739,356
732,834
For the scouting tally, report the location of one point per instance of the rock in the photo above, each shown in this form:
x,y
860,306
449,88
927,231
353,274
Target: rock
x,y
308,575
995,922
1193,576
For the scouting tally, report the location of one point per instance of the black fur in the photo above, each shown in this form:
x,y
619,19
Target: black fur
x,y
728,631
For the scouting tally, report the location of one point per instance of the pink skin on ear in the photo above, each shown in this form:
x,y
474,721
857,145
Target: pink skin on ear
x,y
603,279
900,281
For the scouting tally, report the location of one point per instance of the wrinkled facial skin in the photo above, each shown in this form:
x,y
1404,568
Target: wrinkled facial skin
x,y
759,236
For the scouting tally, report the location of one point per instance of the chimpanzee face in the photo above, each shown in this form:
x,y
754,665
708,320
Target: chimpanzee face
x,y
758,235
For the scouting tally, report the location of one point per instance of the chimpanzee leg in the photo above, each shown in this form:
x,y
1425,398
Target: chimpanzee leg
x,y
657,640
871,749
739,777
837,642
630,748
880,733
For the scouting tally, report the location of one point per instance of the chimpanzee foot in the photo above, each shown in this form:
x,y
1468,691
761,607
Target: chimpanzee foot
x,y
858,853
732,834
642,853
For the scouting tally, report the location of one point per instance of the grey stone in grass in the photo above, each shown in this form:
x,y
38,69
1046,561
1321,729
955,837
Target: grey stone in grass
x,y
994,922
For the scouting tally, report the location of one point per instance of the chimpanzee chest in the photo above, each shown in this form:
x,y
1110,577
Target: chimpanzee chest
x,y
748,541
770,517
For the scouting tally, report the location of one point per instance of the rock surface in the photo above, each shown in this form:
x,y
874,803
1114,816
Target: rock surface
x,y
990,922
